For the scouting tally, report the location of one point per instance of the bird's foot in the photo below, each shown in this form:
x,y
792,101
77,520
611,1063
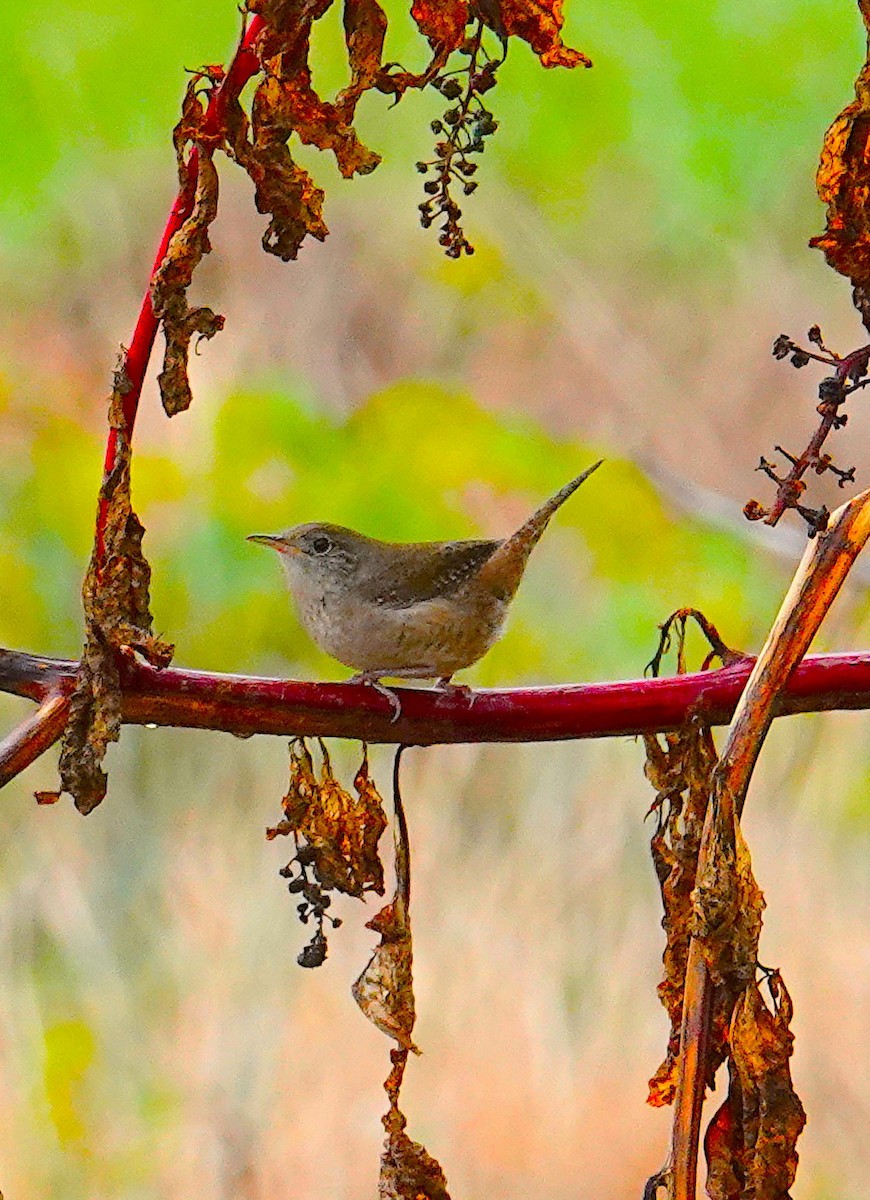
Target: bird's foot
x,y
455,689
374,681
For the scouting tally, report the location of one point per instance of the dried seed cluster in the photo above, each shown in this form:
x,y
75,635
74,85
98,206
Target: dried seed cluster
x,y
336,839
463,130
850,374
313,904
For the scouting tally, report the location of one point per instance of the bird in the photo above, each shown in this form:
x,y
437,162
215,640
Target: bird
x,y
406,610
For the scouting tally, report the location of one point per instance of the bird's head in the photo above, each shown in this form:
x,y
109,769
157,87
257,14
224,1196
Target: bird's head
x,y
316,555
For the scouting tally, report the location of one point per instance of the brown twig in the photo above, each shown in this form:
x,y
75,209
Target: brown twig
x,y
36,734
848,376
816,583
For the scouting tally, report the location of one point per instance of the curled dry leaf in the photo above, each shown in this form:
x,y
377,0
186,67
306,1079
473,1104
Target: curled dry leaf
x,y
409,1172
341,833
185,251
841,182
336,842
365,27
681,772
287,106
751,1142
286,103
727,904
385,991
116,601
282,189
539,22
385,994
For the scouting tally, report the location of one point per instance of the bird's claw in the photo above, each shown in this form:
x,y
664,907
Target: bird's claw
x,y
456,689
374,682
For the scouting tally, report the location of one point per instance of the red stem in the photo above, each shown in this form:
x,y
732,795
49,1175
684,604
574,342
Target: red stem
x,y
245,63
36,733
246,704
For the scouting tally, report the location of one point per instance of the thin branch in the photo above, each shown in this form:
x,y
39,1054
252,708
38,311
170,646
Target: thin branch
x,y
36,734
833,393
245,705
818,579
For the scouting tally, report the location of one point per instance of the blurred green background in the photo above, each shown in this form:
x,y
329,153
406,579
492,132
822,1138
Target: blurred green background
x,y
641,238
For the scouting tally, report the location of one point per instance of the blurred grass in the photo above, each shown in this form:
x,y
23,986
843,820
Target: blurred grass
x,y
640,230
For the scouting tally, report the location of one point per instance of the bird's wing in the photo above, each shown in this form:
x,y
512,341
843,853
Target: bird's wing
x,y
412,578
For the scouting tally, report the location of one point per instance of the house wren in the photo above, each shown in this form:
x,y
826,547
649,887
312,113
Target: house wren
x,y
417,610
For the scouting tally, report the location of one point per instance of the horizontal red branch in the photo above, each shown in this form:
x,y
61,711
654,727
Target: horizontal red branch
x,y
245,705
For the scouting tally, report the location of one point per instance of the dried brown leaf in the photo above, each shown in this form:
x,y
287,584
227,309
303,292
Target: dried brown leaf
x,y
723,1149
365,27
180,325
384,991
728,905
116,601
185,251
772,1115
750,1144
843,184
287,28
409,1172
539,22
341,831
442,23
681,773
282,189
292,106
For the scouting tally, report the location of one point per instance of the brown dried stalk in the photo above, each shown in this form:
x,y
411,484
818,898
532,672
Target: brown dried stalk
x,y
816,583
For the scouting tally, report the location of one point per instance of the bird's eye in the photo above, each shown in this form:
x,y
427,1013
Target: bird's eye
x,y
321,545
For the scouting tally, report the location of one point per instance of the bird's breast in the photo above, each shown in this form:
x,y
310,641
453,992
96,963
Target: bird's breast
x,y
446,633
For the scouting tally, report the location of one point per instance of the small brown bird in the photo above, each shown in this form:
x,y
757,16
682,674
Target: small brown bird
x,y
417,610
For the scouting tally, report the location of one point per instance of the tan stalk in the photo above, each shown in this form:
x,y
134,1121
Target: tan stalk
x,y
818,579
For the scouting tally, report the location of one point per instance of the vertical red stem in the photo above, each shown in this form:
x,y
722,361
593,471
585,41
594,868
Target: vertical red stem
x,y
245,63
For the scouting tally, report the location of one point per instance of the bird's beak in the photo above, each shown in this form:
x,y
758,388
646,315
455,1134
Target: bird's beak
x,y
270,539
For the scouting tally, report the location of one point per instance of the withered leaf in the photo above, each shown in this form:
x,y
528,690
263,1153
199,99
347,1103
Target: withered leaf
x,y
171,280
282,189
681,772
750,1144
772,1115
116,602
842,183
723,1148
365,27
442,23
287,28
384,991
342,832
292,106
180,324
191,125
539,22
727,904
409,1172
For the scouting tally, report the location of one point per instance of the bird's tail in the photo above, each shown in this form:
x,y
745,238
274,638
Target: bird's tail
x,y
505,567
